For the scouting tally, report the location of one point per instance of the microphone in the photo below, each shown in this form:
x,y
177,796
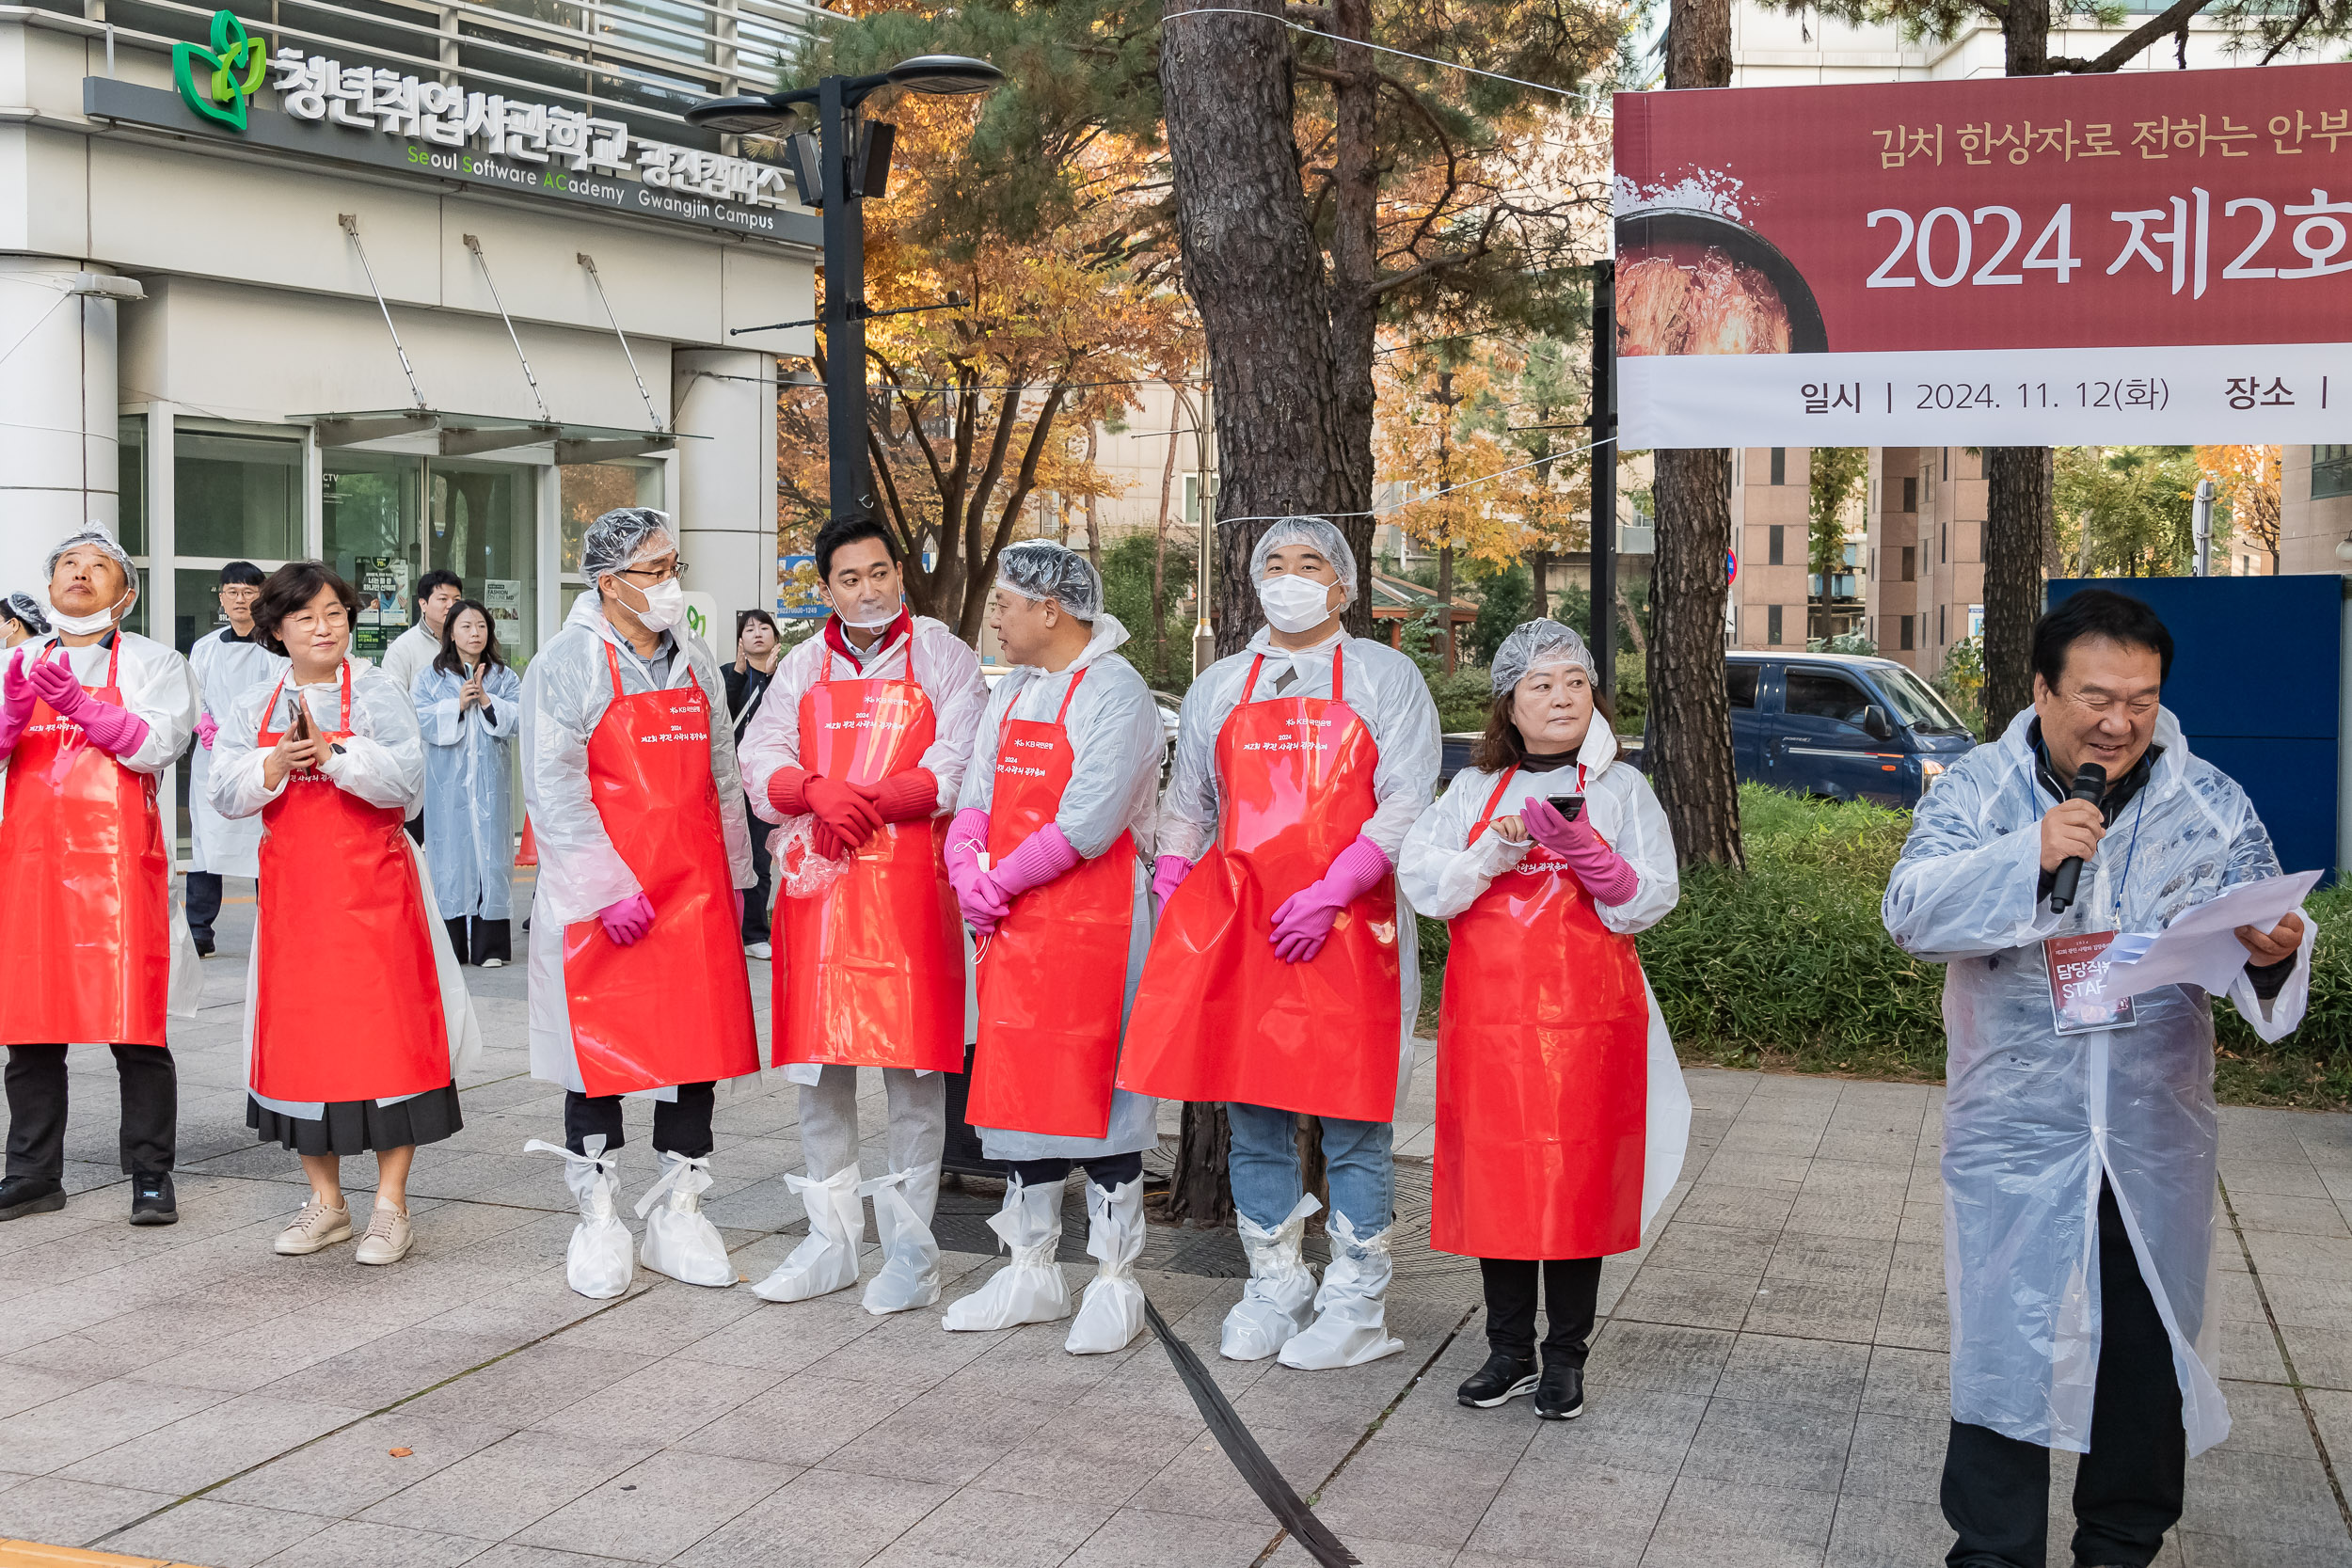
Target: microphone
x,y
2089,784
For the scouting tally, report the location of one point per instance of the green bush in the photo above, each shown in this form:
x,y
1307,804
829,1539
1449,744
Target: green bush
x,y
1165,662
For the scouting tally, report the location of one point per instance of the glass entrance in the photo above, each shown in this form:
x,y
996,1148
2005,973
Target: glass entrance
x,y
390,518
484,527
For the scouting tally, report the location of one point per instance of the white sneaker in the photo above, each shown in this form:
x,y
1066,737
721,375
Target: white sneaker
x,y
315,1230
758,950
494,963
388,1237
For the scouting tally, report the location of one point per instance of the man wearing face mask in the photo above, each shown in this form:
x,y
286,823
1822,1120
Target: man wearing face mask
x,y
859,749
89,719
638,984
1282,977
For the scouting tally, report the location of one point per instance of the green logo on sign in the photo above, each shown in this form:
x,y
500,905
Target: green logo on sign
x,y
229,73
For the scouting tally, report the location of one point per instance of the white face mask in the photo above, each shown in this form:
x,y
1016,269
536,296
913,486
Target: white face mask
x,y
82,626
850,617
665,605
1294,604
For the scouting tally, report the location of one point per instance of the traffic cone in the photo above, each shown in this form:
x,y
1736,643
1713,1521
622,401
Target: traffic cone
x,y
529,853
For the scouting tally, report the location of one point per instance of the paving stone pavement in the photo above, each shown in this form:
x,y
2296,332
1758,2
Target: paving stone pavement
x,y
1768,1387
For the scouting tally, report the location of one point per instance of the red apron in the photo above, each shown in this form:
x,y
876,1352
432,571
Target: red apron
x,y
86,941
1219,1016
675,1006
1052,977
341,918
1543,1072
873,967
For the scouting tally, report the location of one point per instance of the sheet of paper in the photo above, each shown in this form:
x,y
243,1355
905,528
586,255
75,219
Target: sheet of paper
x,y
2200,947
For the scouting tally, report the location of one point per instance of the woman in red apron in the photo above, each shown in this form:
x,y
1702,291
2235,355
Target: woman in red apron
x,y
1043,857
356,1018
1562,1117
1281,977
864,731
638,980
87,722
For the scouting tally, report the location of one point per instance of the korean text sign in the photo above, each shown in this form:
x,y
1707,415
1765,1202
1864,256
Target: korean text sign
x,y
2142,256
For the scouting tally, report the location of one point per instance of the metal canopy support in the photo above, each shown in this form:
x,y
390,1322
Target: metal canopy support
x,y
351,433
590,262
483,261
569,452
466,443
350,225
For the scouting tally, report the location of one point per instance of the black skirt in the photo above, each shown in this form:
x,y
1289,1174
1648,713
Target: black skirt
x,y
360,1126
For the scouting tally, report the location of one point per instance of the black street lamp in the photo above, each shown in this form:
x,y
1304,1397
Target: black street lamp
x,y
850,161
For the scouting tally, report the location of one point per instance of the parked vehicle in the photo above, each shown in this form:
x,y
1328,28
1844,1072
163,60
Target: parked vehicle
x,y
1840,726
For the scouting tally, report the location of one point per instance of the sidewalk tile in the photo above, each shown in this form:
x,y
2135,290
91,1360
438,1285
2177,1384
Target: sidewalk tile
x,y
342,1475
1769,1444
2265,1417
823,1519
1137,1538
653,1511
1904,1382
211,1446
945,1440
2279,1214
513,1483
351,1545
217,1534
663,1402
1658,1358
1619,1430
994,1529
1896,1457
1092,1454
1687,1299
801,1421
1715,1524
1885,1532
51,1436
70,1512
1602,1514
1773,1368
1397,1491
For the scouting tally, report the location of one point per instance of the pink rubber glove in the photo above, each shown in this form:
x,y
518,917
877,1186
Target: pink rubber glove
x,y
1604,873
1168,873
53,683
967,840
1036,860
628,921
115,731
1304,921
16,704
206,727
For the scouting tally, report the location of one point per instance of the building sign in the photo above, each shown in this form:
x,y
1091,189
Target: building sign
x,y
2144,256
366,115
383,603
800,597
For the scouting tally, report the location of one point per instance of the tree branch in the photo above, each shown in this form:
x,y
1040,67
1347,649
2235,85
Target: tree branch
x,y
2171,20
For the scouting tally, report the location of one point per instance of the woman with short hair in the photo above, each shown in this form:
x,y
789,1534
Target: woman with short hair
x,y
355,1020
1562,1115
469,703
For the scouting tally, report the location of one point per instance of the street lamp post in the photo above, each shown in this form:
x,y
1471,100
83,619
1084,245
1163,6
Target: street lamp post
x,y
844,179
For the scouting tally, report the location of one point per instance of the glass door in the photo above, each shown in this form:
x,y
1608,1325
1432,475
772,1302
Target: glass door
x,y
370,539
484,526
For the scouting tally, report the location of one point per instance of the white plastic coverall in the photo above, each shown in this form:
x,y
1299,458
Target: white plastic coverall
x,y
158,686
1444,875
2031,1118
383,764
469,798
224,667
565,694
1387,691
1115,741
411,652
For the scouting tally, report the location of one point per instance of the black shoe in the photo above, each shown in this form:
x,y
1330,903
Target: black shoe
x,y
1503,1377
1561,1395
20,1196
203,947
152,1202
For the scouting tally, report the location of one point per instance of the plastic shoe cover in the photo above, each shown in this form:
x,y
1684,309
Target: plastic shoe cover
x,y
1030,1289
1351,1325
680,1240
1111,1313
826,1259
598,1263
1274,1305
909,1273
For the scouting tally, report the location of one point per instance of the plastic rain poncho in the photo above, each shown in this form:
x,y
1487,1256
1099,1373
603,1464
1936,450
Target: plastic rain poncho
x,y
469,790
224,667
383,764
1387,691
1443,874
565,694
1115,741
2032,1118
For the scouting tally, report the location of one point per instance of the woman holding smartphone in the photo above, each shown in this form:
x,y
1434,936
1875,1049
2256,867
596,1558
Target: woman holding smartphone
x,y
356,1017
1562,1116
469,702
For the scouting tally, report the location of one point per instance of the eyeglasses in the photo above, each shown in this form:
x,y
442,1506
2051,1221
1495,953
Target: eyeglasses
x,y
2101,705
654,574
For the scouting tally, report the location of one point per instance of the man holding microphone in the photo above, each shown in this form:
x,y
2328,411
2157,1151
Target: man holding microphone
x,y
2081,1144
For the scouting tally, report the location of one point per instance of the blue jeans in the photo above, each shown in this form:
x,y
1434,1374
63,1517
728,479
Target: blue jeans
x,y
1265,1167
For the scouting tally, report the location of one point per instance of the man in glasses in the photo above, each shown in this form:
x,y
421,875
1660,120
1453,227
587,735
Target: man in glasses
x,y
2079,1132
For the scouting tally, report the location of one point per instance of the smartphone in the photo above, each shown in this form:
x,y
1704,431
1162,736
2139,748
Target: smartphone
x,y
1568,806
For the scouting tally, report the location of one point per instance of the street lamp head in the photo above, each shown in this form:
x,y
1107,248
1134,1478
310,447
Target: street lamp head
x,y
757,115
945,75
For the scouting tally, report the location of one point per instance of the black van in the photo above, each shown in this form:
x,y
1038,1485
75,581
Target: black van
x,y
1839,725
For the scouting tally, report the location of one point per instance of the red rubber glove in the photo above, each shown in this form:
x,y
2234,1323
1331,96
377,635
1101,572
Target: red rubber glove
x,y
788,791
967,840
909,796
1168,873
1606,874
1304,921
16,700
846,814
628,921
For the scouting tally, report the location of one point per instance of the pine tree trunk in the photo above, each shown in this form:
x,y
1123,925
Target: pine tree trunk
x,y
1690,715
2017,512
1445,603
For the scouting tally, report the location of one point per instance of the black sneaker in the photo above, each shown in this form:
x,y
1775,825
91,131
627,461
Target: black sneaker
x,y
1503,1377
152,1202
1561,1396
20,1196
203,947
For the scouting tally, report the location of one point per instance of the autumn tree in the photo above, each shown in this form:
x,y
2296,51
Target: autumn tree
x,y
2124,512
1835,473
2246,481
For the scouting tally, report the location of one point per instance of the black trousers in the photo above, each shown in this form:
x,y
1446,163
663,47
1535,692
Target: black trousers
x,y
2127,1488
755,897
680,1126
416,827
37,1102
203,903
1571,1298
487,939
1110,1172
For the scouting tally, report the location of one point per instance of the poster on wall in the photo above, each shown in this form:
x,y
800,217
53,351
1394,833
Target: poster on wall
x,y
2129,258
800,597
383,584
504,599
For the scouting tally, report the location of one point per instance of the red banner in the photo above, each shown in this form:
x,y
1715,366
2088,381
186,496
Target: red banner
x,y
2149,256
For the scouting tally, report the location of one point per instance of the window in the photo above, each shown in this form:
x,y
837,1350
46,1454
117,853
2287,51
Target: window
x,y
1911,493
1780,465
1824,694
1777,536
1911,562
1193,484
1940,639
1943,541
2332,471
1739,683
1771,621
1907,642
1915,704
